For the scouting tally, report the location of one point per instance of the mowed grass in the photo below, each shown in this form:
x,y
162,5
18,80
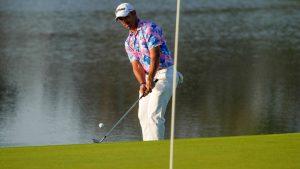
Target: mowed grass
x,y
279,151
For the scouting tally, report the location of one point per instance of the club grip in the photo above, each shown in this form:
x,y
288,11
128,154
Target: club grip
x,y
143,94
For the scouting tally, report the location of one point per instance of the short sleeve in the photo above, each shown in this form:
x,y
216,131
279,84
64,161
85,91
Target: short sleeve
x,y
153,35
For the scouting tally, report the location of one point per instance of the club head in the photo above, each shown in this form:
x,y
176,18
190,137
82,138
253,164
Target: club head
x,y
99,141
96,140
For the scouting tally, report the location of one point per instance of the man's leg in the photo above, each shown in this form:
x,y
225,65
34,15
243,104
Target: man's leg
x,y
156,114
157,104
152,110
143,115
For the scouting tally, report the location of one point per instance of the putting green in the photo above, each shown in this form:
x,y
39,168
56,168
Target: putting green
x,y
279,151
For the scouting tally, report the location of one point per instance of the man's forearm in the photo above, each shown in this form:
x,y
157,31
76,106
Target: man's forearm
x,y
154,64
138,72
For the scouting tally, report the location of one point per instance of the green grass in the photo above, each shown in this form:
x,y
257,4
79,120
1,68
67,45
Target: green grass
x,y
280,151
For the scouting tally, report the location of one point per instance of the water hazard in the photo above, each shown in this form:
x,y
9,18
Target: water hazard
x,y
63,70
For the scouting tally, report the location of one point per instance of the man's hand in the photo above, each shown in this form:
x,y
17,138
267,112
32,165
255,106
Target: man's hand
x,y
149,86
143,89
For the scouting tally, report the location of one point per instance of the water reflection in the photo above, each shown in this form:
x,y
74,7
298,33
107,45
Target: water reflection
x,y
64,71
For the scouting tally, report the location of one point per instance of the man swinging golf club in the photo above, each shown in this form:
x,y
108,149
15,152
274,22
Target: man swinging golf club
x,y
150,59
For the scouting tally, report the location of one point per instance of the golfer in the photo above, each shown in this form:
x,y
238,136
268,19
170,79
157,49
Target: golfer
x,y
150,59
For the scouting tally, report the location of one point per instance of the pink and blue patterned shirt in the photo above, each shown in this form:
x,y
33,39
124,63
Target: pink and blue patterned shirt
x,y
149,35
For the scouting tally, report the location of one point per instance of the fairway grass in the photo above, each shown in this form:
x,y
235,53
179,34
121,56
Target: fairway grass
x,y
278,151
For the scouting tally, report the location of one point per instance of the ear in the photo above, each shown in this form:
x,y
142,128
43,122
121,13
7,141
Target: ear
x,y
133,13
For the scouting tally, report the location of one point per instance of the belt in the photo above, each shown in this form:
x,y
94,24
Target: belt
x,y
162,69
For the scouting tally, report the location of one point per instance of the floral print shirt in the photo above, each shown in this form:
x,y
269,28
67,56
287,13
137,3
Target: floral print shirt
x,y
148,35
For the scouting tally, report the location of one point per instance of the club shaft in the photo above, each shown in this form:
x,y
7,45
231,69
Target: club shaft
x,y
125,114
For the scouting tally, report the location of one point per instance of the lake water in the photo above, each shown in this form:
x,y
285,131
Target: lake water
x,y
63,69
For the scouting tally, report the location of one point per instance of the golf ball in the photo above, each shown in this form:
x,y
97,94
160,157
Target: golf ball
x,y
101,125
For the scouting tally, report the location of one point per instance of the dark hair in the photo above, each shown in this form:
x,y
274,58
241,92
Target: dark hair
x,y
133,12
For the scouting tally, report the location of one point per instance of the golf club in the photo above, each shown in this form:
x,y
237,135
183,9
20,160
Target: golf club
x,y
117,123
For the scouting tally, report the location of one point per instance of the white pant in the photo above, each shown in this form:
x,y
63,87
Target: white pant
x,y
152,108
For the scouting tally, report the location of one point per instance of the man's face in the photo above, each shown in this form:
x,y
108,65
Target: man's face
x,y
128,22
